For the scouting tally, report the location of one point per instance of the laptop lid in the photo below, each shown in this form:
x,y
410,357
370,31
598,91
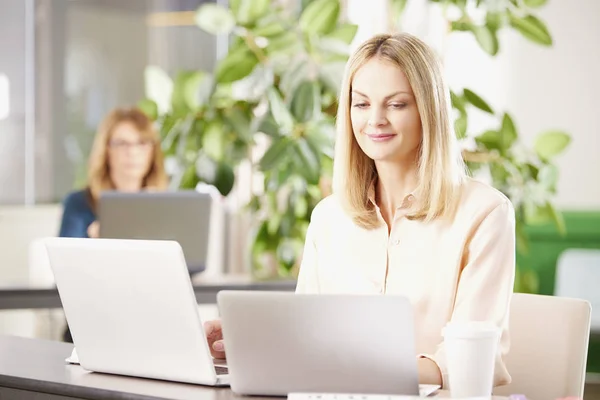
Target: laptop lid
x,y
131,308
182,216
280,343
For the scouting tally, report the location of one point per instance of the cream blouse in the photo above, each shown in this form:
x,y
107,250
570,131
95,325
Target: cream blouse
x,y
458,271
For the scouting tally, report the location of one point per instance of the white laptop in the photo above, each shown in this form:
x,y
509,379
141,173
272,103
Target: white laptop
x,y
283,343
131,309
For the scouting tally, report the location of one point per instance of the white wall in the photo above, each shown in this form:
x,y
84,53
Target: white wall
x,y
12,129
543,88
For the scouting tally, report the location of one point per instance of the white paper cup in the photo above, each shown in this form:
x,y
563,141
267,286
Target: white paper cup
x,y
470,358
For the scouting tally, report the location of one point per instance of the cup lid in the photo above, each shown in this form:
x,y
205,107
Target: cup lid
x,y
470,329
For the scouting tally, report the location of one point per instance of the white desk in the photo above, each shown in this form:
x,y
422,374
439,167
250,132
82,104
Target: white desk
x,y
27,296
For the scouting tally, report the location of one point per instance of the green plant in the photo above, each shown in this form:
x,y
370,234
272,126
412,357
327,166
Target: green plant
x,y
527,176
274,94
271,101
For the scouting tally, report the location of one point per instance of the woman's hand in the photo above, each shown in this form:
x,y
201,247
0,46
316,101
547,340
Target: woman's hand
x,y
93,230
429,372
214,336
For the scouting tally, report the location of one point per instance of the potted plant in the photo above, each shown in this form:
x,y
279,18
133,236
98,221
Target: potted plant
x,y
270,104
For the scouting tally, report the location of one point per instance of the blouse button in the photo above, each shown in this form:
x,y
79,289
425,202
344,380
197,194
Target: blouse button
x,y
397,241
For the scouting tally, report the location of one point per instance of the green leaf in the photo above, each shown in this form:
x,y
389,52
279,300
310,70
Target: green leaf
x,y
269,127
558,219
320,17
490,139
462,26
331,75
307,161
345,33
493,20
294,75
269,30
189,180
462,4
306,101
149,108
477,101
236,65
248,11
499,173
225,178
239,120
300,207
285,43
329,47
397,8
550,144
186,91
206,168
305,3
548,177
159,88
253,87
508,132
212,140
321,136
532,28
526,281
522,238
460,126
487,39
537,214
458,102
276,154
280,112
535,3
215,19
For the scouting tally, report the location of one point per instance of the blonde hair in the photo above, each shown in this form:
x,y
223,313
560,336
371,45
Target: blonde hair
x,y
441,170
98,171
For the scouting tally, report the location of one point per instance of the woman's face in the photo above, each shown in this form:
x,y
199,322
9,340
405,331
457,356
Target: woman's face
x,y
129,155
384,114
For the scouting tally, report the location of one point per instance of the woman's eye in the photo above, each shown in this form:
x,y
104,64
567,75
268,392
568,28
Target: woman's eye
x,y
360,105
397,106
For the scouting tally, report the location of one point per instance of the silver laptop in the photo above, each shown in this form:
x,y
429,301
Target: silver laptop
x,y
281,343
182,216
131,309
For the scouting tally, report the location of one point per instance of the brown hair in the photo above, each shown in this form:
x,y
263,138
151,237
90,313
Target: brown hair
x,y
98,171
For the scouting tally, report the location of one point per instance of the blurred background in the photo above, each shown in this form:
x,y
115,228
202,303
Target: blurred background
x,y
244,92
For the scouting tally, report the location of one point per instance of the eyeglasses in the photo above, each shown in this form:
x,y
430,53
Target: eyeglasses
x,y
119,144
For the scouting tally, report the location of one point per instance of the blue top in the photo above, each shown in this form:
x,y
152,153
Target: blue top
x,y
77,215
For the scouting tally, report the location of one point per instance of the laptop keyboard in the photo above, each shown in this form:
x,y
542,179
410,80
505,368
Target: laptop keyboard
x,y
221,370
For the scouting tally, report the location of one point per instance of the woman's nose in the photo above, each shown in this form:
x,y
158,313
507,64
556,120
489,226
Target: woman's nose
x,y
377,117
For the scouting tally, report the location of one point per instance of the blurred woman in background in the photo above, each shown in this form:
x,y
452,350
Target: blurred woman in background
x,y
126,156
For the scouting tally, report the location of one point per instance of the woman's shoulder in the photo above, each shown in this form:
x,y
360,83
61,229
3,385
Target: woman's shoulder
x,y
482,197
329,213
77,200
327,208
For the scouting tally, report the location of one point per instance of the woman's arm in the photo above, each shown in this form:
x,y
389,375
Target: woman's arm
x,y
308,280
485,286
75,217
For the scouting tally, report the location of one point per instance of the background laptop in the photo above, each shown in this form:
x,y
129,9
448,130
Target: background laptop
x,y
280,343
182,216
131,309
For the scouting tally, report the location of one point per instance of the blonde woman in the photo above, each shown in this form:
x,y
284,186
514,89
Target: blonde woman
x,y
125,156
404,217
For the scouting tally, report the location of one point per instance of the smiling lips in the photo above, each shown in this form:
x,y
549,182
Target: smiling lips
x,y
381,137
